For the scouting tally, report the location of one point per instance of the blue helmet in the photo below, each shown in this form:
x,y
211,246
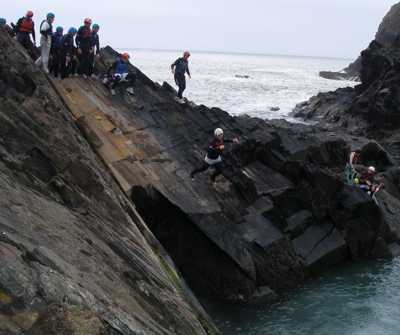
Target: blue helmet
x,y
3,22
95,26
50,16
72,31
59,29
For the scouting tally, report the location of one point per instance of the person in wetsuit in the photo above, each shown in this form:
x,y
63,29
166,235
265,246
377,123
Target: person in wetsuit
x,y
55,52
83,42
118,73
24,28
67,53
180,68
213,157
94,47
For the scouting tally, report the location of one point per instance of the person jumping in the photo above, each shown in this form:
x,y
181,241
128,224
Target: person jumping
x,y
179,68
213,157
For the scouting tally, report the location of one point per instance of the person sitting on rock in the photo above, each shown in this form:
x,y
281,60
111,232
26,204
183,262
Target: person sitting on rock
x,y
24,28
46,32
366,181
179,68
55,52
6,27
67,53
213,157
94,47
119,73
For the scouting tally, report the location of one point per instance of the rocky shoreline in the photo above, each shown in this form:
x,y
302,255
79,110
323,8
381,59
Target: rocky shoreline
x,y
101,226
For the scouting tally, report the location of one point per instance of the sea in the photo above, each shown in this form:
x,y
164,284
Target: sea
x,y
353,299
256,85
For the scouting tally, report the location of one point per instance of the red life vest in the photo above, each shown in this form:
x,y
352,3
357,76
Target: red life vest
x,y
26,26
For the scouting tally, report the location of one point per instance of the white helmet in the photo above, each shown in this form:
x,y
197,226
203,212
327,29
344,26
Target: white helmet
x,y
218,132
372,169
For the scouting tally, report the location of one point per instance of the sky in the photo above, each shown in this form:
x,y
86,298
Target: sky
x,y
337,28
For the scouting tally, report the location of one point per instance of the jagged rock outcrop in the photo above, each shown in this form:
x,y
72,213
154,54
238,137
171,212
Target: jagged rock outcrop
x,y
387,35
279,213
68,235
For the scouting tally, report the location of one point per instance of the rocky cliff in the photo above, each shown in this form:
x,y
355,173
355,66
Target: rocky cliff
x,y
91,184
387,35
75,256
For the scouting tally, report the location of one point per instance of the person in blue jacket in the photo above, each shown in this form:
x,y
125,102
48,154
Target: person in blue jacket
x,y
67,52
119,73
55,55
94,47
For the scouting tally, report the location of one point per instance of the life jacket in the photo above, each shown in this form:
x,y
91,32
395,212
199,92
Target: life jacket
x,y
48,32
56,41
120,67
26,26
84,37
214,149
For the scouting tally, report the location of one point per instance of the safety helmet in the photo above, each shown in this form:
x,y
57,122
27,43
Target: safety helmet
x,y
125,56
372,169
3,22
72,31
218,132
356,181
95,26
186,54
29,13
50,16
59,29
88,21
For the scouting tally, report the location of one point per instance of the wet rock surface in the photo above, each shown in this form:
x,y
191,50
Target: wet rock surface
x,y
68,235
84,175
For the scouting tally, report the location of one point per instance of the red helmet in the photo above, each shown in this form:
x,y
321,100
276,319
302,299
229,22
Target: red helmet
x,y
125,56
29,13
88,21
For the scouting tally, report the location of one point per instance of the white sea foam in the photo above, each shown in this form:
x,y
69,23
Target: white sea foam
x,y
274,81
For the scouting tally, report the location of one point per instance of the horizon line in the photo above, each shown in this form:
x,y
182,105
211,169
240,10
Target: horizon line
x,y
240,53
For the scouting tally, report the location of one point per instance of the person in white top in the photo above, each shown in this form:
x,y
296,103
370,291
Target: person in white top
x,y
46,31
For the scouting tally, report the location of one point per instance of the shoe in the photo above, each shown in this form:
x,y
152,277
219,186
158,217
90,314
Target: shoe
x,y
85,76
130,90
76,75
93,76
113,92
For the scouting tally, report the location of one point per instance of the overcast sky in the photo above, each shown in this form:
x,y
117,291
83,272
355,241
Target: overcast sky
x,y
338,28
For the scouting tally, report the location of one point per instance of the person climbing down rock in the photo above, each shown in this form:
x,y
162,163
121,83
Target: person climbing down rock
x,y
213,157
366,181
24,28
67,53
8,29
94,47
55,52
83,42
119,73
352,165
46,31
179,68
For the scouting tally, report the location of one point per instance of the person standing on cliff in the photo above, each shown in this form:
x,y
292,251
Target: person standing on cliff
x,y
46,32
214,155
6,27
55,56
67,53
83,42
24,28
179,68
94,47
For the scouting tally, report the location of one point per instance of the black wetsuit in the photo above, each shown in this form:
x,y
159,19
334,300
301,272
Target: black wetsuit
x,y
214,153
83,42
181,67
94,44
67,52
55,52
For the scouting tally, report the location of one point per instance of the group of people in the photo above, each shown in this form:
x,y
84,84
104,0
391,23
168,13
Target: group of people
x,y
357,174
68,53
